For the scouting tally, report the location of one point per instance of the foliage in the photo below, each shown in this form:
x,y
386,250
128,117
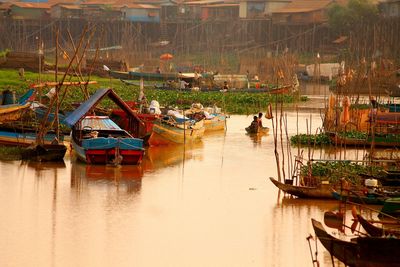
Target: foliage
x,y
345,18
336,170
4,52
354,135
310,139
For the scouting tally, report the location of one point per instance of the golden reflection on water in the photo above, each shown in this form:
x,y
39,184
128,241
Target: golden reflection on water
x,y
210,204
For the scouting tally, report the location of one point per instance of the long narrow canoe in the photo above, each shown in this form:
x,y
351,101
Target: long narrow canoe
x,y
322,191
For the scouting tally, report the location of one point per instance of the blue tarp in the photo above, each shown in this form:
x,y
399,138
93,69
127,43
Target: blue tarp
x,y
85,107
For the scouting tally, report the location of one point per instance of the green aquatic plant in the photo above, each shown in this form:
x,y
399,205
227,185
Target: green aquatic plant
x,y
336,170
310,139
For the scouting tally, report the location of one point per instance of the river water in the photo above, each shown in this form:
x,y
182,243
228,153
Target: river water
x,y
211,204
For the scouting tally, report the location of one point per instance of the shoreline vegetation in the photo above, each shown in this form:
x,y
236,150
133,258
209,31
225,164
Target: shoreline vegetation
x,y
10,153
237,103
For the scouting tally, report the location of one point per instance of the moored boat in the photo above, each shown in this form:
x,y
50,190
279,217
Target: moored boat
x,y
24,138
360,251
168,131
323,191
45,152
12,112
376,231
99,140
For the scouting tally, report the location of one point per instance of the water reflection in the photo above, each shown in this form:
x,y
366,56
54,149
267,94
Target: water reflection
x,y
157,157
129,176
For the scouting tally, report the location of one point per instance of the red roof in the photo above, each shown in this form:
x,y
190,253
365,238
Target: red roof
x,y
32,5
139,6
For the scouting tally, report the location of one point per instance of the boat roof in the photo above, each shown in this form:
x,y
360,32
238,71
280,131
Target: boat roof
x,y
87,106
99,123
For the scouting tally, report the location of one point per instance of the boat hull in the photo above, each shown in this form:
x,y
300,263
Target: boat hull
x,y
260,130
379,141
165,134
12,112
45,152
321,192
363,251
9,137
358,198
218,123
107,152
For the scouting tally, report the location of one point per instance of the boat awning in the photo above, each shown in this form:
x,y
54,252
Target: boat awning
x,y
89,104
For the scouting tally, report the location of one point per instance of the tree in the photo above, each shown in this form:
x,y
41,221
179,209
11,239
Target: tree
x,y
344,19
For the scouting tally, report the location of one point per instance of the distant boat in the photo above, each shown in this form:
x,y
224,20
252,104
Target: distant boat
x,y
260,130
361,251
324,191
150,76
99,140
169,131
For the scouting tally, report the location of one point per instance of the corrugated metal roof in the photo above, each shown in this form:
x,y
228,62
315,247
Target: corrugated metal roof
x,y
301,6
99,123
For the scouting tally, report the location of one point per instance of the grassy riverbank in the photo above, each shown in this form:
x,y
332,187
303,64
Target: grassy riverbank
x,y
238,103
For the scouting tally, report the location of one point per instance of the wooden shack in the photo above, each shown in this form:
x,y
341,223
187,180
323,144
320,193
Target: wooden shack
x,y
28,61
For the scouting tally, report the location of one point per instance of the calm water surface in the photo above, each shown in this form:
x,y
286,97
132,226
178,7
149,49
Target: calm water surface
x,y
207,205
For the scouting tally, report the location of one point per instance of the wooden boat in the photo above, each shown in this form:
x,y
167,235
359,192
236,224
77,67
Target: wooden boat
x,y
168,131
214,120
216,123
99,140
375,231
24,138
380,140
324,191
45,152
361,251
260,130
13,112
127,77
359,197
391,206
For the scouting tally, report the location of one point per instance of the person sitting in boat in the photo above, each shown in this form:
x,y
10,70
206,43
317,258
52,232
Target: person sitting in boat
x,y
254,125
225,87
260,120
183,84
158,70
94,134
